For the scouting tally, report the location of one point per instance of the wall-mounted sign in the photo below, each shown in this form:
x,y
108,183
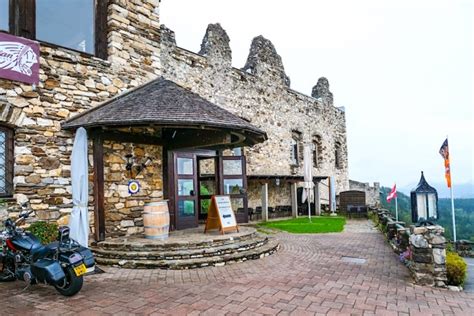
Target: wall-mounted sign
x,y
19,59
133,186
220,215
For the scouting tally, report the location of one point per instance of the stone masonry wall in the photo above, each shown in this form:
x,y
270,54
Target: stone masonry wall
x,y
124,212
278,195
422,249
260,93
71,82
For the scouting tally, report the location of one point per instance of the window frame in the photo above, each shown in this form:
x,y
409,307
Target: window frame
x,y
295,147
337,155
9,162
22,22
317,151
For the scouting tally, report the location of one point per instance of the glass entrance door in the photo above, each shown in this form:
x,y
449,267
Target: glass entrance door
x,y
207,182
233,182
185,193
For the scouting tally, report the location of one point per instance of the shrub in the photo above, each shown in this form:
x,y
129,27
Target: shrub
x,y
456,269
45,231
450,247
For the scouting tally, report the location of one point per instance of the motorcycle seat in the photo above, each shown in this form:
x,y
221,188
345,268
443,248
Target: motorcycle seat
x,y
41,251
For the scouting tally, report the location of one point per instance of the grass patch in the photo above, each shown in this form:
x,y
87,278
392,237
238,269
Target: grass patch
x,y
320,224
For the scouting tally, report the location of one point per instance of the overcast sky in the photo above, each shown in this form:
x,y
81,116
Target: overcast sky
x,y
402,69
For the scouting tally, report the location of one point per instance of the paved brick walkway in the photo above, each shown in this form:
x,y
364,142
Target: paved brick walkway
x,y
309,275
469,286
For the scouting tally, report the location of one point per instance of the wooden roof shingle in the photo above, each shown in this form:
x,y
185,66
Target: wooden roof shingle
x,y
164,103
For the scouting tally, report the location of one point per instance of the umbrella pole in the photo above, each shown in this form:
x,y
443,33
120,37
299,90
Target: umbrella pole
x,y
309,206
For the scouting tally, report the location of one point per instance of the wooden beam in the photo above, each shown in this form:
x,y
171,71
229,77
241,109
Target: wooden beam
x,y
128,137
294,200
101,30
99,213
181,139
22,20
317,198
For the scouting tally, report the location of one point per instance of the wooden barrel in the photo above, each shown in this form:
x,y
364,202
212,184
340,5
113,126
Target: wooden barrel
x,y
156,220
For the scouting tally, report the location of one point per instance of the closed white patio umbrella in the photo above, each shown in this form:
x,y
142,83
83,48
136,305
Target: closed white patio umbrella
x,y
79,220
308,177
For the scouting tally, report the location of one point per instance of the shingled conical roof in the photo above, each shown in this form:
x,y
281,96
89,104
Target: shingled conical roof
x,y
423,186
162,102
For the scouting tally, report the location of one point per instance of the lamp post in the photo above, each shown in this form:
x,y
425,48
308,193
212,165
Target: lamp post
x,y
424,203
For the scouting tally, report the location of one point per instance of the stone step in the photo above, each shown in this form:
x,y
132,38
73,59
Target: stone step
x,y
134,244
267,249
175,254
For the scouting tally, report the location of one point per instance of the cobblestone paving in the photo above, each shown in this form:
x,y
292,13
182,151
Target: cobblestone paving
x,y
306,277
469,286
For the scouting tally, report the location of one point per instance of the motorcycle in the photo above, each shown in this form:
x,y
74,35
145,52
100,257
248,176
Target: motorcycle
x,y
62,263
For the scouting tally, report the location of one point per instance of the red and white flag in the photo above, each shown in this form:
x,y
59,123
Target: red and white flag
x,y
393,193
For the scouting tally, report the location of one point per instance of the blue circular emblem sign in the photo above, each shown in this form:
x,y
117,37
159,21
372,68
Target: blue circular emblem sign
x,y
133,186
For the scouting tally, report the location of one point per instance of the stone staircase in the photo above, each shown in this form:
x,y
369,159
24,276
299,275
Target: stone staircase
x,y
190,253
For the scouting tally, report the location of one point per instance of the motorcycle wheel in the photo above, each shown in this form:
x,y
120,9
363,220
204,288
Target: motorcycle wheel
x,y
71,284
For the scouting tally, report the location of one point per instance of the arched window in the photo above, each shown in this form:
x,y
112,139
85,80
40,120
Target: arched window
x,y
6,161
337,155
295,147
317,151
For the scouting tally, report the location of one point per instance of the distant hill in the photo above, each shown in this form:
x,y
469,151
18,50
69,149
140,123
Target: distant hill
x,y
464,213
461,191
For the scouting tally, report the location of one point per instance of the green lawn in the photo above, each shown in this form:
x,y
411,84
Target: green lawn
x,y
319,224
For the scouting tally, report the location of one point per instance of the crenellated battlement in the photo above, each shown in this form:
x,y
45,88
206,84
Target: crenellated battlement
x,y
215,45
264,61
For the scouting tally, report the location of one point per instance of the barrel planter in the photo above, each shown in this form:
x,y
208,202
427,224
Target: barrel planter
x,y
156,220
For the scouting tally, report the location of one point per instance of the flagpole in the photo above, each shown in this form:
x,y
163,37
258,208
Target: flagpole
x,y
396,208
452,210
452,197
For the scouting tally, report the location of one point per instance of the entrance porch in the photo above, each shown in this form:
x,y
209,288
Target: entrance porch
x,y
170,140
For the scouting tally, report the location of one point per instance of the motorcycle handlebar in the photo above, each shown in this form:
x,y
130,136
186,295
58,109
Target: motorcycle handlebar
x,y
11,225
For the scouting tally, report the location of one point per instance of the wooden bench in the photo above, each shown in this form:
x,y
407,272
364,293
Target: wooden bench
x,y
359,210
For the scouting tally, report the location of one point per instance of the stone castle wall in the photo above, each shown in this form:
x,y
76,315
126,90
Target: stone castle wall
x,y
260,93
71,82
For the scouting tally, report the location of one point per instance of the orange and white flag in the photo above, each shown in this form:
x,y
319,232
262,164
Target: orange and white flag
x,y
444,152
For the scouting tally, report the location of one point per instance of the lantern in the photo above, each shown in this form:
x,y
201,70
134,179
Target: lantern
x,y
424,203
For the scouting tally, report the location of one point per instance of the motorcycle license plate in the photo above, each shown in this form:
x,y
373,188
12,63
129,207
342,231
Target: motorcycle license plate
x,y
80,270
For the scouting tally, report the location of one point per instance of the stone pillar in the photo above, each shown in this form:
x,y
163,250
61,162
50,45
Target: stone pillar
x,y
317,198
428,247
294,200
265,202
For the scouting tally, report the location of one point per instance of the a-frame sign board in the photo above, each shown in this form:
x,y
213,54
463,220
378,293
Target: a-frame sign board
x,y
220,215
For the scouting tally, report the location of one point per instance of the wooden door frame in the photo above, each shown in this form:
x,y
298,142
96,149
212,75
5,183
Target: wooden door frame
x,y
199,179
191,221
170,192
240,218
